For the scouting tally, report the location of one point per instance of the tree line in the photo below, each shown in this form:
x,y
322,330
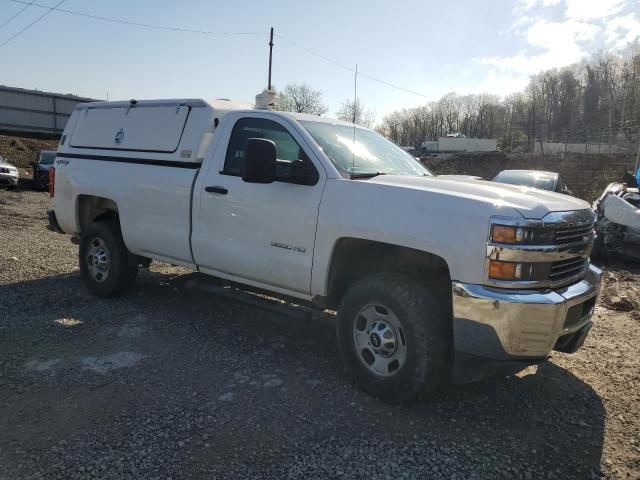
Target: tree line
x,y
590,102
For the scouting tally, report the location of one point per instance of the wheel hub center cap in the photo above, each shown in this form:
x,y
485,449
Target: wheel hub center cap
x,y
379,340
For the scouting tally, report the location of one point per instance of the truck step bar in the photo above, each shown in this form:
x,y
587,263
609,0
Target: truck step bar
x,y
222,288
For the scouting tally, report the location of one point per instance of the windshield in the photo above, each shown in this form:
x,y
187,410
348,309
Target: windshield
x,y
365,152
537,180
47,158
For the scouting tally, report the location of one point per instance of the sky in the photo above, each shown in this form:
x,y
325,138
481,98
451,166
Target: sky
x,y
426,48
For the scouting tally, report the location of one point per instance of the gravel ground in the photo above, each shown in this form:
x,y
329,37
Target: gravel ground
x,y
173,382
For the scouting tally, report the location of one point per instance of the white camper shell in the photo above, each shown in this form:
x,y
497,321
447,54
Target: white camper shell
x,y
176,131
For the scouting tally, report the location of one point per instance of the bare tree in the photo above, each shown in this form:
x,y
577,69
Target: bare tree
x,y
449,105
301,98
354,111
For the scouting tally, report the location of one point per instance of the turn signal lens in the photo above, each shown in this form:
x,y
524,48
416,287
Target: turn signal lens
x,y
504,270
504,234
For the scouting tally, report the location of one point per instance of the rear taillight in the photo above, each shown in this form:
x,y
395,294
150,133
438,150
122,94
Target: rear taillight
x,y
52,181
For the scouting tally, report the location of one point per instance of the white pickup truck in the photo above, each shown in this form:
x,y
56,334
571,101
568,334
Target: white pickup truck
x,y
433,280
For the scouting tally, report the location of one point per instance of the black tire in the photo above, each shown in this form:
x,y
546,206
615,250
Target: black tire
x,y
426,332
120,273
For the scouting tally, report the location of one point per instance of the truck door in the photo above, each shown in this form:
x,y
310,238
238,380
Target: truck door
x,y
258,233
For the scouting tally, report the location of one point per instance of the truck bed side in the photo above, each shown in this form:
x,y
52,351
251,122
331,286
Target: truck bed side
x,y
153,203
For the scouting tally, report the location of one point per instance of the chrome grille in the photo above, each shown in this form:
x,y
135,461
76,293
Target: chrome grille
x,y
564,270
574,233
554,251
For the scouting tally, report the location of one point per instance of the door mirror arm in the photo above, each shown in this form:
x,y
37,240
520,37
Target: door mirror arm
x,y
296,173
302,173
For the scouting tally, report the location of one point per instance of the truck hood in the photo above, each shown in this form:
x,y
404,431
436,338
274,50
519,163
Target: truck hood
x,y
529,202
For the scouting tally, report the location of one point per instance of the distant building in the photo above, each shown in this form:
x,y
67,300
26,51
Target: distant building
x,y
587,148
32,111
459,143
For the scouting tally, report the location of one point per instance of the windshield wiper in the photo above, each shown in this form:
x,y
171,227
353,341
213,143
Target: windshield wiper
x,y
365,175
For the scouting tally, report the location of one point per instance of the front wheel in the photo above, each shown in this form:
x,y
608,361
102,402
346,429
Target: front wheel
x,y
395,337
104,260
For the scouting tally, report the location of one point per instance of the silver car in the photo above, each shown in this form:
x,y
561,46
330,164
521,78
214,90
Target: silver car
x,y
536,179
8,174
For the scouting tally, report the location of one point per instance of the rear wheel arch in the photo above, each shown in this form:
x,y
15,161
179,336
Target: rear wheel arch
x,y
91,208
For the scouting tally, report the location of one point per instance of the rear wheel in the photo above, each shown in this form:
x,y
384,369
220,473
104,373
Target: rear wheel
x,y
395,337
104,260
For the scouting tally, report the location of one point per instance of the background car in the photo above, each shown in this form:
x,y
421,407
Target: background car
x,y
534,178
41,168
8,174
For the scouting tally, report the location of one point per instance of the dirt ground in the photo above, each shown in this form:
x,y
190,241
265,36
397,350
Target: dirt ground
x,y
21,151
174,382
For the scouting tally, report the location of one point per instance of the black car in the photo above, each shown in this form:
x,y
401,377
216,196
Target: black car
x,y
41,169
534,178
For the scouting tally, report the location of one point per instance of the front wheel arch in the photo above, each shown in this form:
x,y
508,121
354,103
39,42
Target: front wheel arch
x,y
353,259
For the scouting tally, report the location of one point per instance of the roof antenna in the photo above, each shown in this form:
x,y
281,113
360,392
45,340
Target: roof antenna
x,y
270,55
355,106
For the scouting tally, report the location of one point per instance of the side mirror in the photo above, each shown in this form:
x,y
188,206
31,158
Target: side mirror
x,y
259,161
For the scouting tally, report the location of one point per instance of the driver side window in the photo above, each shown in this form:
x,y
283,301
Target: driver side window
x,y
289,154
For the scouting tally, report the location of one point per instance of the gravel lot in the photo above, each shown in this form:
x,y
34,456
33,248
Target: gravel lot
x,y
174,382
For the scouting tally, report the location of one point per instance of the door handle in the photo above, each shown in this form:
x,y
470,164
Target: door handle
x,y
216,189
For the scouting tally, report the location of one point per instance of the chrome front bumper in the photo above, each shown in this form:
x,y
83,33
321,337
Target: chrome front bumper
x,y
501,324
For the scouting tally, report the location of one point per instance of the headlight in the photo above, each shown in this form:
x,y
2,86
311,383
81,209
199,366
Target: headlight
x,y
505,234
517,235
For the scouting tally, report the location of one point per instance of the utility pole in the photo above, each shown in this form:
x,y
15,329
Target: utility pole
x,y
638,155
270,56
